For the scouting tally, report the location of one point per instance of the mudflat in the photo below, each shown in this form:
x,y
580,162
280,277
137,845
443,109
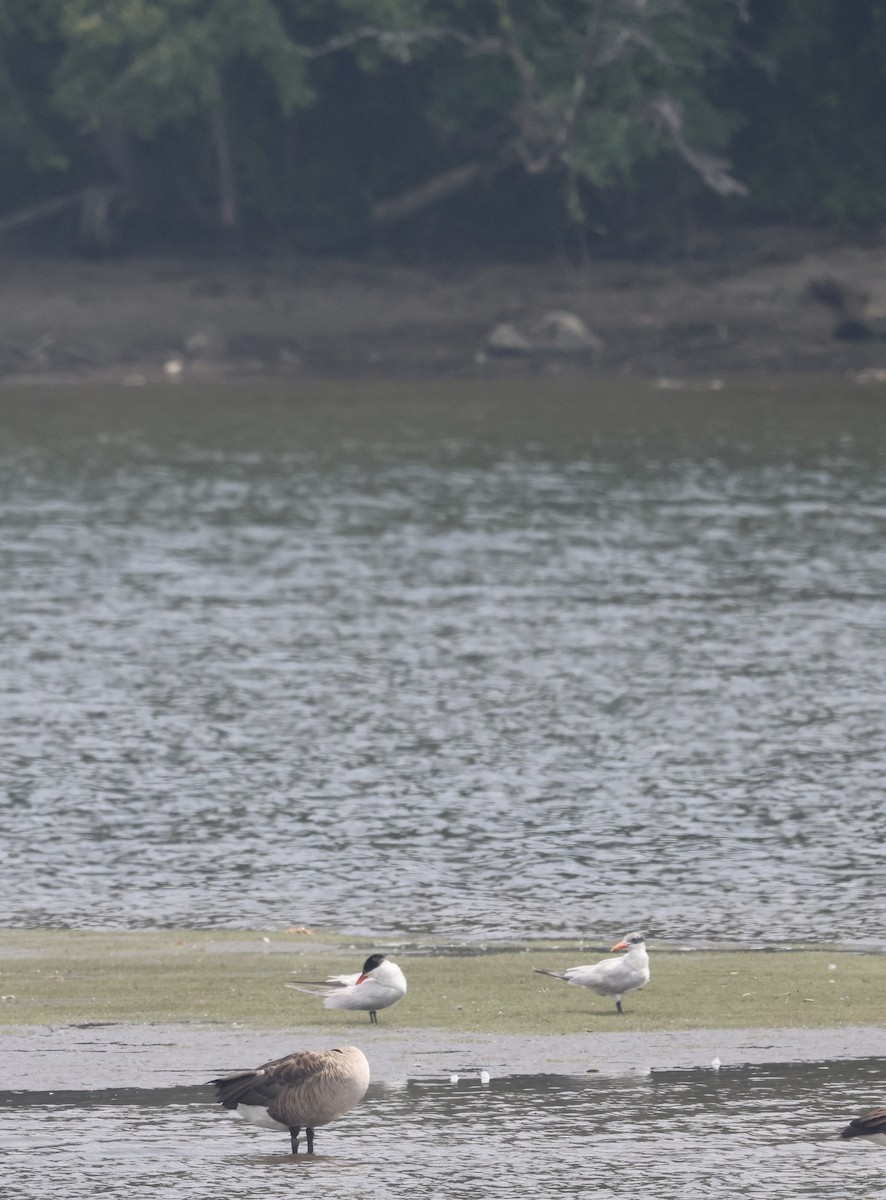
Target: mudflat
x,y
746,301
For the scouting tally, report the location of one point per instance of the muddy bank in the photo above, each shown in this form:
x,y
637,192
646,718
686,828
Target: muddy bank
x,y
50,1058
751,303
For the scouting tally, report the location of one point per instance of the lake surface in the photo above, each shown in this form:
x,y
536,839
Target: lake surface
x,y
460,661
762,1131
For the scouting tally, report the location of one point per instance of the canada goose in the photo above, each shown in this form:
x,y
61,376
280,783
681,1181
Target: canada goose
x,y
380,984
305,1089
871,1126
612,976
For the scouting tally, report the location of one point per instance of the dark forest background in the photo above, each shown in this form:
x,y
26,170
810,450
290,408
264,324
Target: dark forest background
x,y
470,128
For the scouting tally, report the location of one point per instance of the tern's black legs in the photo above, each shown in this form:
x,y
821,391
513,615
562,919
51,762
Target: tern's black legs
x,y
618,1005
373,1017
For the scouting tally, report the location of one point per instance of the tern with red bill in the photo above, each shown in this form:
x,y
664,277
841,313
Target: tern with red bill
x,y
612,976
871,1126
380,984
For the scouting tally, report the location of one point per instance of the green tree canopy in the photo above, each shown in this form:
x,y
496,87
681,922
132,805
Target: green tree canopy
x,y
331,122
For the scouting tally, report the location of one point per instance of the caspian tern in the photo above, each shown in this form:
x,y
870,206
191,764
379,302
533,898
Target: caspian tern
x,y
612,976
380,984
871,1126
302,1090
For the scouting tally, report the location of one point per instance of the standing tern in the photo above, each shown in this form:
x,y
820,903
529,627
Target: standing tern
x,y
612,976
302,1090
380,984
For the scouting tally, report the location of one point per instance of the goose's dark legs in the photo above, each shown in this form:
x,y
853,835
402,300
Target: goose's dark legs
x,y
618,1005
373,1017
293,1138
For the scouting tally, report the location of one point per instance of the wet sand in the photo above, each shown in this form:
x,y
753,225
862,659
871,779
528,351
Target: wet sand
x,y
736,302
97,1056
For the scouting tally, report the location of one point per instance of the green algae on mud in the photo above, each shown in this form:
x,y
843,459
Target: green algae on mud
x,y
65,977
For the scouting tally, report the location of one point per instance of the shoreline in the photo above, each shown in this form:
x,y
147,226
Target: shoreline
x,y
742,305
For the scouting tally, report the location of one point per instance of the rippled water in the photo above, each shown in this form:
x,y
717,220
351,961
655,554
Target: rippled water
x,y
460,662
762,1131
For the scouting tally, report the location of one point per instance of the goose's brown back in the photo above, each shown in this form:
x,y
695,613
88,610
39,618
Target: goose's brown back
x,y
869,1124
308,1088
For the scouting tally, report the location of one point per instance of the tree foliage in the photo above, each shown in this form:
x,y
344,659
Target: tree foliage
x,y
813,146
148,63
331,122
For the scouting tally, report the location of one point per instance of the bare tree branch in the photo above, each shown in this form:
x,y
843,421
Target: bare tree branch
x,y
544,132
387,212
37,212
396,41
715,172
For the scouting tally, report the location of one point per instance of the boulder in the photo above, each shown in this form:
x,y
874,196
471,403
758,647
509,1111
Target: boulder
x,y
857,317
554,332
